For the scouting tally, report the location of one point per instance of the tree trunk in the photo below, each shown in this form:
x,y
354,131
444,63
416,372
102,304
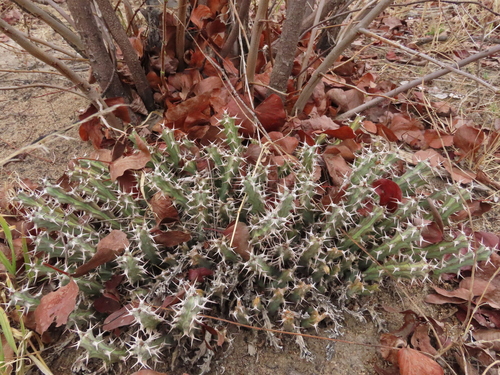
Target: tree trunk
x,y
129,53
103,68
287,47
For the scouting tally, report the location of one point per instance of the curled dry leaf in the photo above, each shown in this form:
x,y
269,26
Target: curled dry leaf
x,y
390,345
389,192
163,208
135,161
107,250
346,99
412,362
337,167
240,239
56,306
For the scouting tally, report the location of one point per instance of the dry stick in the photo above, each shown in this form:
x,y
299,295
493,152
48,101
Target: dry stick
x,y
253,52
50,45
312,39
59,10
68,35
43,85
345,42
240,16
89,91
416,82
180,33
431,59
129,53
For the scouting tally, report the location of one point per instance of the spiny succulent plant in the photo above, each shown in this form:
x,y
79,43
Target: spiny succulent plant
x,y
263,238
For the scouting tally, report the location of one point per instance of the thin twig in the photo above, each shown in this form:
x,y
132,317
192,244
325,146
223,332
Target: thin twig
x,y
59,10
43,85
89,91
416,82
431,59
255,40
68,35
328,62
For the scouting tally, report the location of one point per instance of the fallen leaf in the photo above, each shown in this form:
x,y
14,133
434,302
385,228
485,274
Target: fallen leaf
x,y
271,113
436,139
389,192
199,15
468,139
56,306
107,250
149,372
120,318
198,274
239,238
346,99
135,161
412,362
421,341
170,238
163,208
343,133
337,168
432,156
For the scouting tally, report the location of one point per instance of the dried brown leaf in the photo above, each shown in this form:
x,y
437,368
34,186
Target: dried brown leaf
x,y
163,208
107,250
240,239
135,161
412,362
56,306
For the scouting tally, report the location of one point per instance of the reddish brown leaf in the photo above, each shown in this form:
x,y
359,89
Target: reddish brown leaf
x,y
346,99
390,343
406,129
148,372
120,318
107,250
135,161
387,133
437,139
285,145
138,46
163,208
91,131
420,340
199,15
468,139
412,362
56,306
107,303
337,167
196,104
170,238
239,239
271,113
344,132
198,274
490,338
236,108
431,155
370,127
389,192
459,175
